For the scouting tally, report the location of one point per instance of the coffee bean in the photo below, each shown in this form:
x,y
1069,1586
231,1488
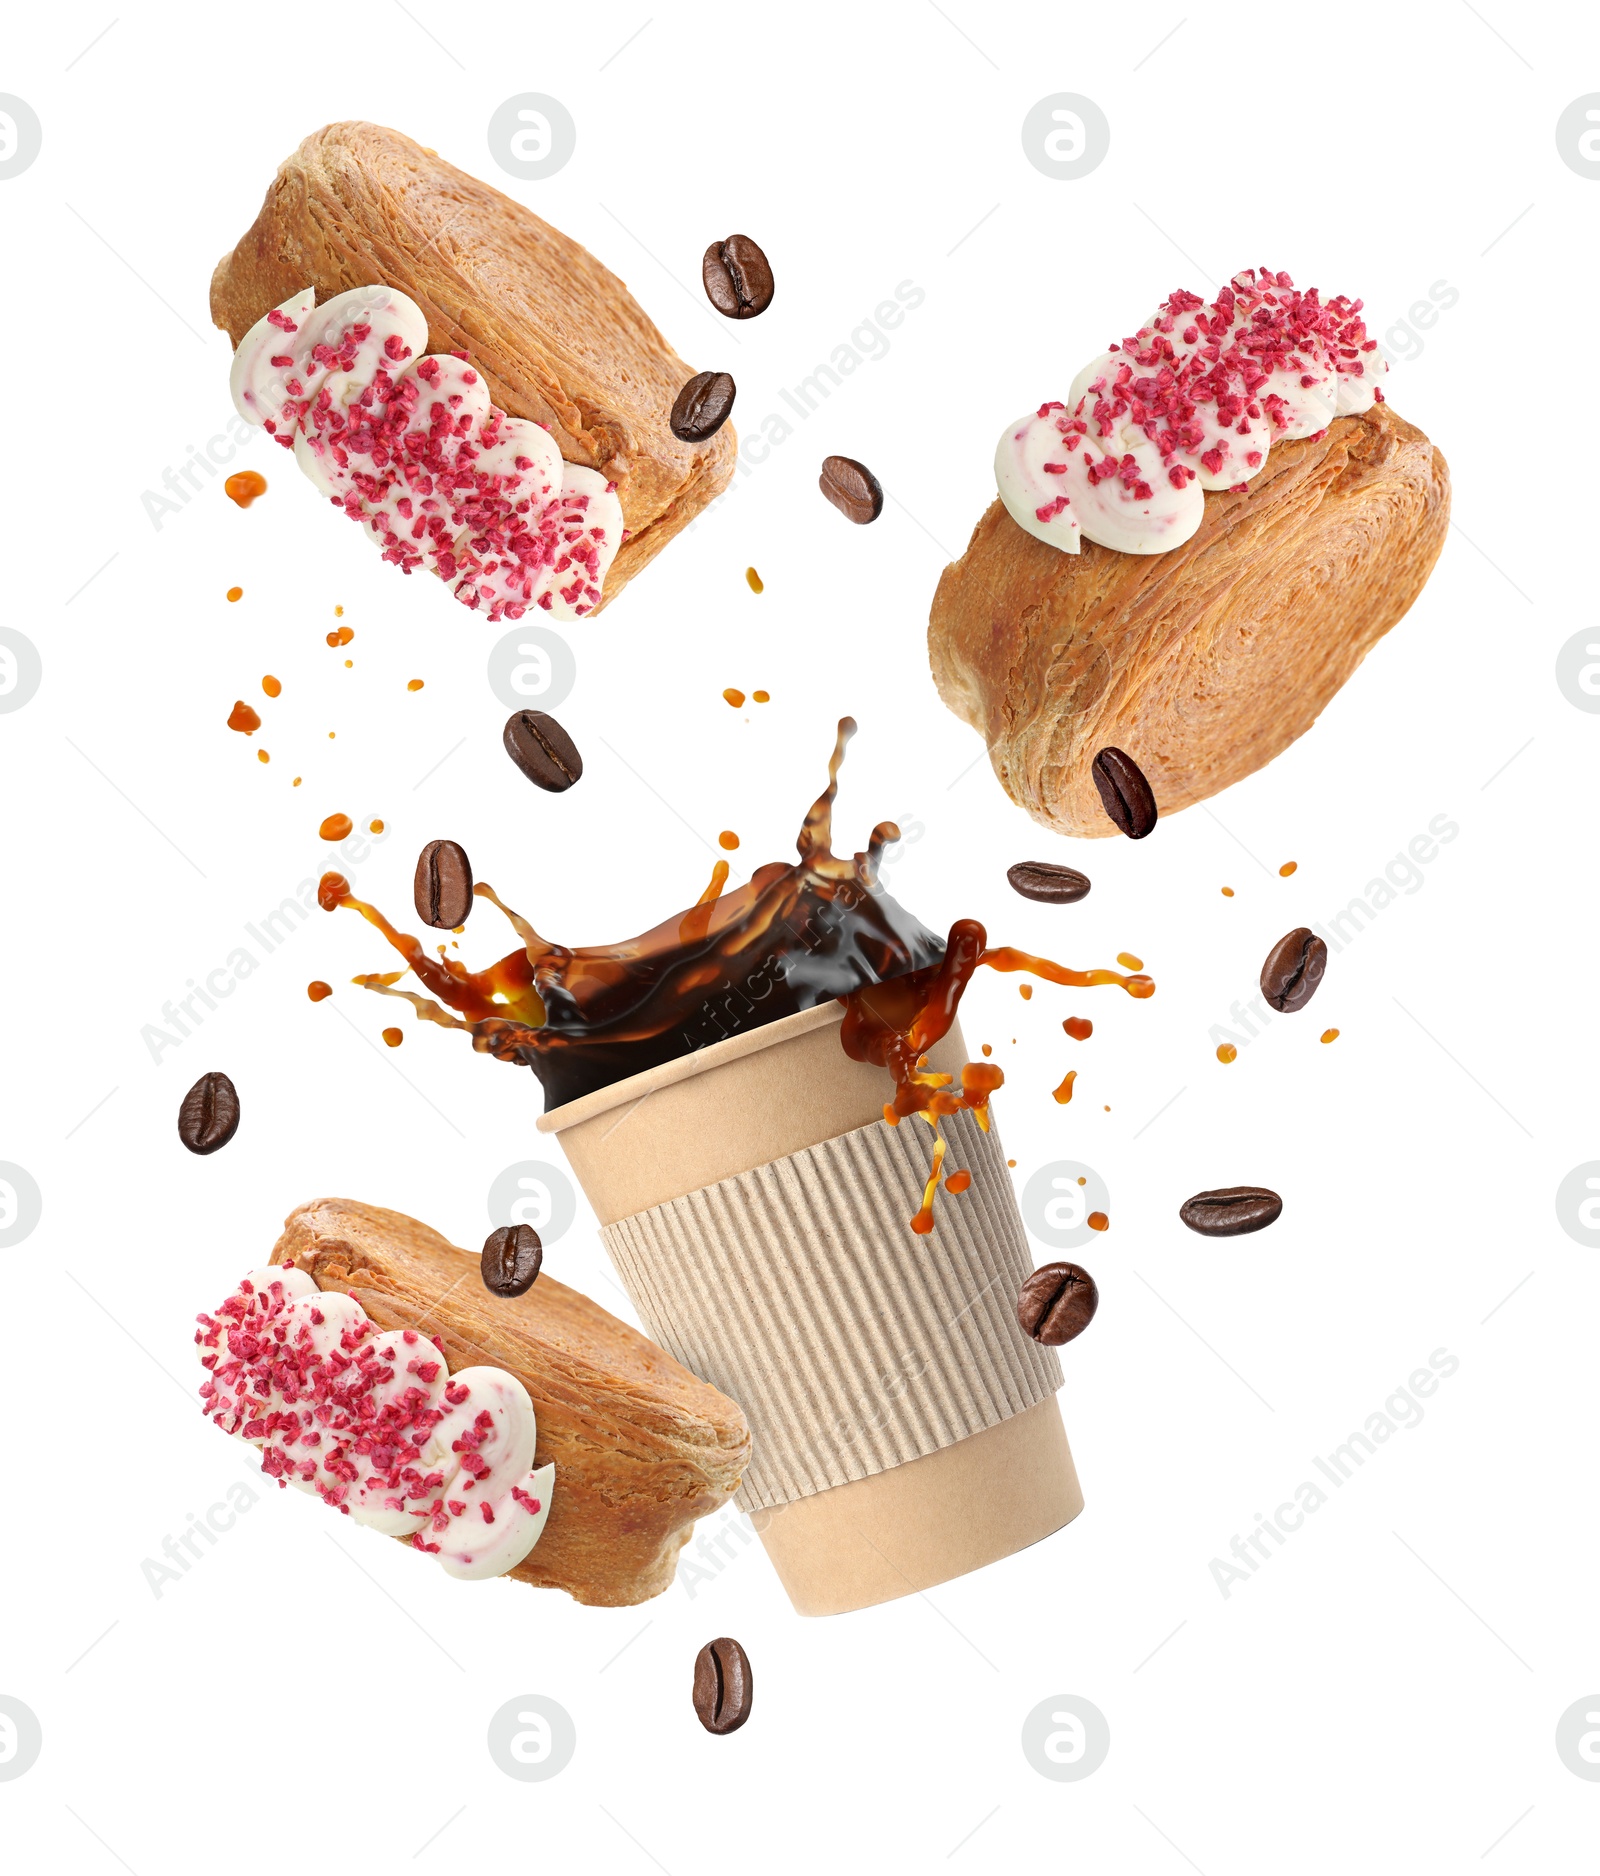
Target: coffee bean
x,y
1125,793
738,277
722,1685
511,1259
1055,885
543,750
852,488
1056,1303
209,1116
1293,969
1230,1211
442,890
704,405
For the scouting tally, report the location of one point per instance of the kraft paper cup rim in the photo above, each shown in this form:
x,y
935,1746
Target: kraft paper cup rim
x,y
685,1067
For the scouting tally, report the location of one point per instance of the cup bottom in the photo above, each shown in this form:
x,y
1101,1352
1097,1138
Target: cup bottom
x,y
920,1524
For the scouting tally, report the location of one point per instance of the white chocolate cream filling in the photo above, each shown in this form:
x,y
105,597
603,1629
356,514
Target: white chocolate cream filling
x,y
373,1422
1192,401
406,443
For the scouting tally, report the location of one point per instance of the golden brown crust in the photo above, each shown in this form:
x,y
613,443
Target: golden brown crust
x,y
1203,663
641,1448
558,337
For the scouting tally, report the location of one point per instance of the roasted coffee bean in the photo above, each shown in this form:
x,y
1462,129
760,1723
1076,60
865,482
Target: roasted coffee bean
x,y
1230,1211
209,1116
704,405
1055,885
543,750
1125,793
442,889
852,488
1293,969
738,277
511,1259
1057,1302
722,1685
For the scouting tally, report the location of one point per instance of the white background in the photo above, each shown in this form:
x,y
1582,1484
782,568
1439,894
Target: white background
x,y
1385,1690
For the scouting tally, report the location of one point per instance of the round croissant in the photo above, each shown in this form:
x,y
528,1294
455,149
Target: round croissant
x,y
1203,663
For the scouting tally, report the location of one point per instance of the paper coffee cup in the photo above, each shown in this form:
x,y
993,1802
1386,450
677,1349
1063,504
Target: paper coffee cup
x,y
756,1207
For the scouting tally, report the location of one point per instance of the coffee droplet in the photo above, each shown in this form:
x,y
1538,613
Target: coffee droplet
x,y
727,840
761,696
1287,868
1063,1094
1226,1052
317,990
1025,991
394,1037
262,756
336,827
244,487
1079,1028
332,889
1129,962
1097,1221
752,579
243,719
414,684
1330,1035
235,594
272,687
958,1182
374,827
723,1686
1227,892
733,697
